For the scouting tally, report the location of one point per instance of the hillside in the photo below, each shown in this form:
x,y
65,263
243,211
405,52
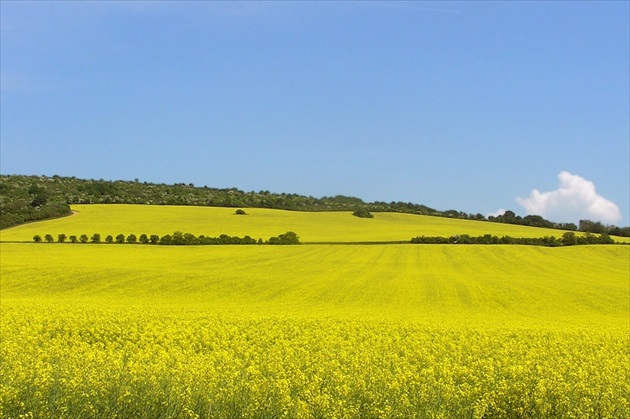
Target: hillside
x,y
312,227
32,198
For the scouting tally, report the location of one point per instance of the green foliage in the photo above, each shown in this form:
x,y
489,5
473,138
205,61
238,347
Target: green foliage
x,y
509,217
362,213
49,238
166,240
240,212
568,239
287,238
37,238
61,238
29,198
179,239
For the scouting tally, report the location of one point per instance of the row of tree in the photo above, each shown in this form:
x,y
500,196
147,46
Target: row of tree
x,y
31,198
568,239
509,217
175,239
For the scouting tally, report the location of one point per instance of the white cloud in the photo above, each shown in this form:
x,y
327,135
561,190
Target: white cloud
x,y
575,199
498,212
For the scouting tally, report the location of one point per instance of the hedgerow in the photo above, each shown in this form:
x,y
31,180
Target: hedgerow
x,y
567,239
176,239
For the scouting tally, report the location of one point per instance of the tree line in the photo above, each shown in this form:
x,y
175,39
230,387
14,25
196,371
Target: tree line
x,y
32,198
176,239
568,239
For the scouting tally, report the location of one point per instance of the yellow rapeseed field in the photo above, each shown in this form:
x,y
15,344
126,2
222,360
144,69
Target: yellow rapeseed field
x,y
263,223
310,331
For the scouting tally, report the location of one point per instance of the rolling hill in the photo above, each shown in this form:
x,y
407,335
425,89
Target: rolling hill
x,y
312,227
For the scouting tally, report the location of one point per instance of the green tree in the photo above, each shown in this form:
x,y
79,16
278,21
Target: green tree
x,y
49,238
120,238
39,200
287,238
109,239
592,226
73,239
190,238
569,239
61,238
96,238
132,239
154,239
604,238
178,238
84,238
144,239
37,238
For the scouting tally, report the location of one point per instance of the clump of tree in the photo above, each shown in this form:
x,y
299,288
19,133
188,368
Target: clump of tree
x,y
597,227
24,199
176,239
568,239
240,212
287,238
509,217
362,213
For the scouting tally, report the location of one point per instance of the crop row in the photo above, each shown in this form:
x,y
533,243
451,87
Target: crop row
x,y
177,238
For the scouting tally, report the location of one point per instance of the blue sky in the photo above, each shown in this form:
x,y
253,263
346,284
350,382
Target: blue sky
x,y
473,106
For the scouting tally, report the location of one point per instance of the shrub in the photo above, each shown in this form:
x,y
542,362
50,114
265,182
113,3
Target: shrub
x,y
362,213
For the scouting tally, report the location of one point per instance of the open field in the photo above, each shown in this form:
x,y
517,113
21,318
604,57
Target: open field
x,y
320,331
262,223
581,285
